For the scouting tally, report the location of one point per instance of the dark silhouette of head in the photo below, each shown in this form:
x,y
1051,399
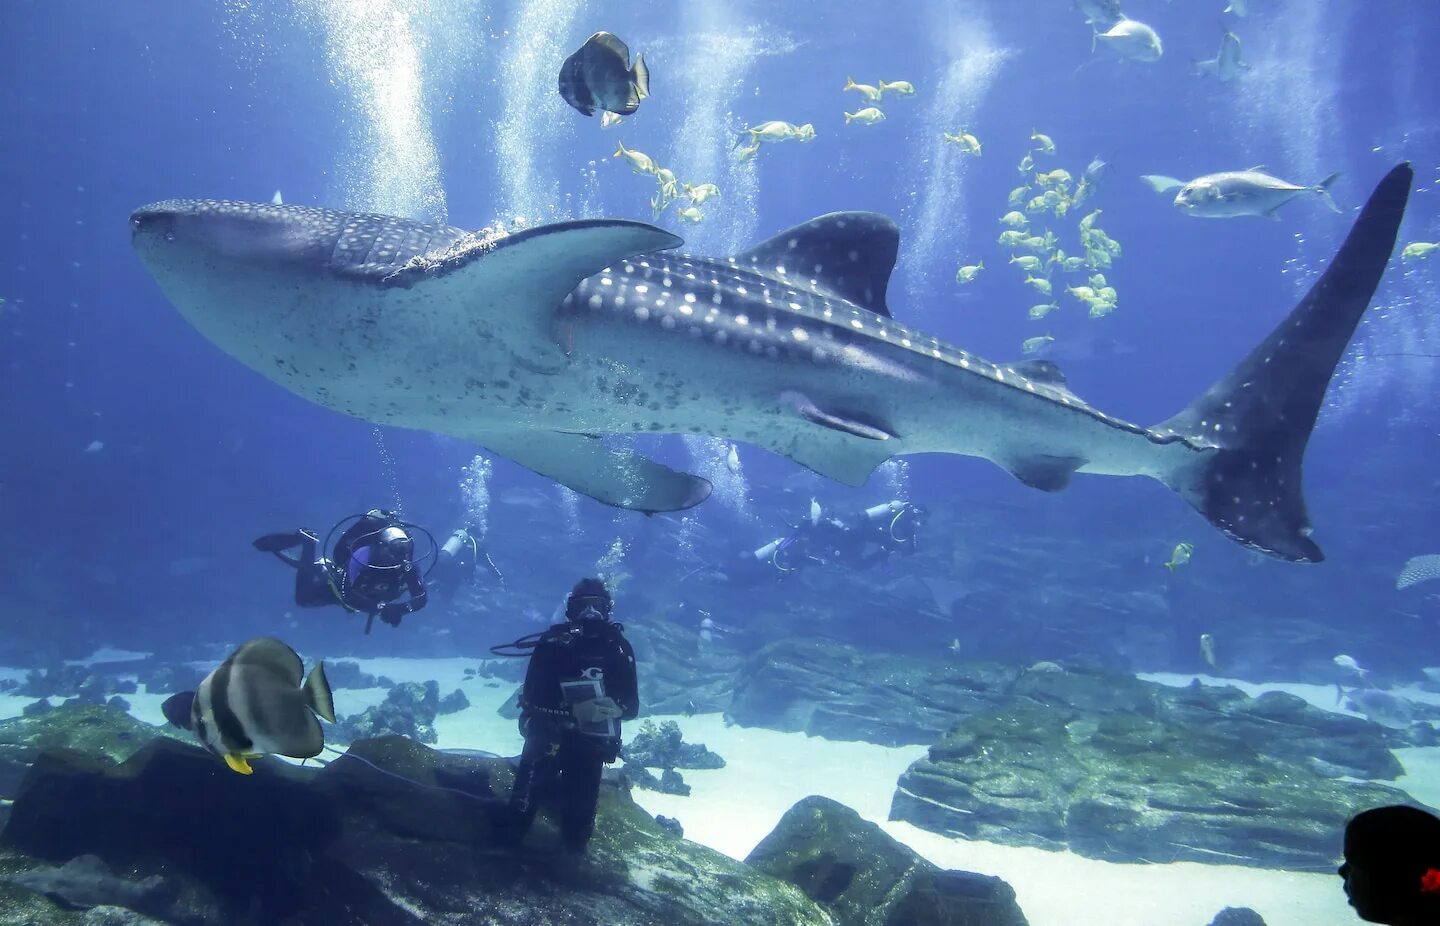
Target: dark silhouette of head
x,y
1392,866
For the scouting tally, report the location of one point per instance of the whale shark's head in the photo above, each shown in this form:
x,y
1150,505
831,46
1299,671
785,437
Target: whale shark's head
x,y
372,314
225,236
218,232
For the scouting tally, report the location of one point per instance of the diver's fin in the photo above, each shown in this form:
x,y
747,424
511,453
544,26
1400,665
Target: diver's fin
x,y
845,422
612,476
846,254
1044,472
238,764
318,696
1250,429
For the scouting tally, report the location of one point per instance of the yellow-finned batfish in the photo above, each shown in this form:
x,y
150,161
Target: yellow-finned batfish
x,y
258,702
599,76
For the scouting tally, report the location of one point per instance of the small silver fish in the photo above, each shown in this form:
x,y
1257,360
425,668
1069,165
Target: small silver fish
x,y
1348,662
1207,650
732,460
1227,65
599,76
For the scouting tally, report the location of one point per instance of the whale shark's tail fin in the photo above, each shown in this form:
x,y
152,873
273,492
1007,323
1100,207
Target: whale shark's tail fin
x,y
1256,421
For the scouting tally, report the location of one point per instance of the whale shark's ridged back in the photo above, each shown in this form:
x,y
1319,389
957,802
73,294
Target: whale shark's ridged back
x,y
1260,416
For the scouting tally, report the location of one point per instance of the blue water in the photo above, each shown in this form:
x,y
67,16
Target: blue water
x,y
144,543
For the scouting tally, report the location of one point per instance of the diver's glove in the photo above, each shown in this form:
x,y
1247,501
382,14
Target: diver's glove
x,y
596,710
392,612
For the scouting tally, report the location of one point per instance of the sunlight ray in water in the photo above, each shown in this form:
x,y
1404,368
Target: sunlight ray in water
x,y
376,51
533,119
940,210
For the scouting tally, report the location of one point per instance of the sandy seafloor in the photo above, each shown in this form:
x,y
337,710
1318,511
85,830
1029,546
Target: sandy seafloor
x,y
733,808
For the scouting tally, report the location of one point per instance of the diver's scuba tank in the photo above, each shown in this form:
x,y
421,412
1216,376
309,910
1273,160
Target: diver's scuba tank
x,y
766,553
457,542
887,510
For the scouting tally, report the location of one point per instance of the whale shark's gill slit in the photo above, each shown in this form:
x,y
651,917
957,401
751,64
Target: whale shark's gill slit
x,y
1259,417
848,255
856,424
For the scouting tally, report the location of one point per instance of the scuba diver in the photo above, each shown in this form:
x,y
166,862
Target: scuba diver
x,y
579,686
456,562
371,565
893,527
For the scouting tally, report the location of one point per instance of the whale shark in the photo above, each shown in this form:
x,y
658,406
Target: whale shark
x,y
541,344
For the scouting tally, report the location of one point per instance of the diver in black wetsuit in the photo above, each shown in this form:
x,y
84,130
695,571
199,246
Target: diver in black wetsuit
x,y
579,685
893,527
372,564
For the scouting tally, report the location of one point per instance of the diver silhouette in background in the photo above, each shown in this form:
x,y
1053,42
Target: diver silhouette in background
x,y
893,527
457,561
372,565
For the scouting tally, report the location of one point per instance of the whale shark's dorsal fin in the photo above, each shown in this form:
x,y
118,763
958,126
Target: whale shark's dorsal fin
x,y
844,254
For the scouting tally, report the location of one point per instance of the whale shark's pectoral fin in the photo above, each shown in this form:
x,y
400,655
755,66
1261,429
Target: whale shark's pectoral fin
x,y
615,477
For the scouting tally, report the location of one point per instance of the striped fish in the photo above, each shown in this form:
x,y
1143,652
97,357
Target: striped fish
x,y
255,704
